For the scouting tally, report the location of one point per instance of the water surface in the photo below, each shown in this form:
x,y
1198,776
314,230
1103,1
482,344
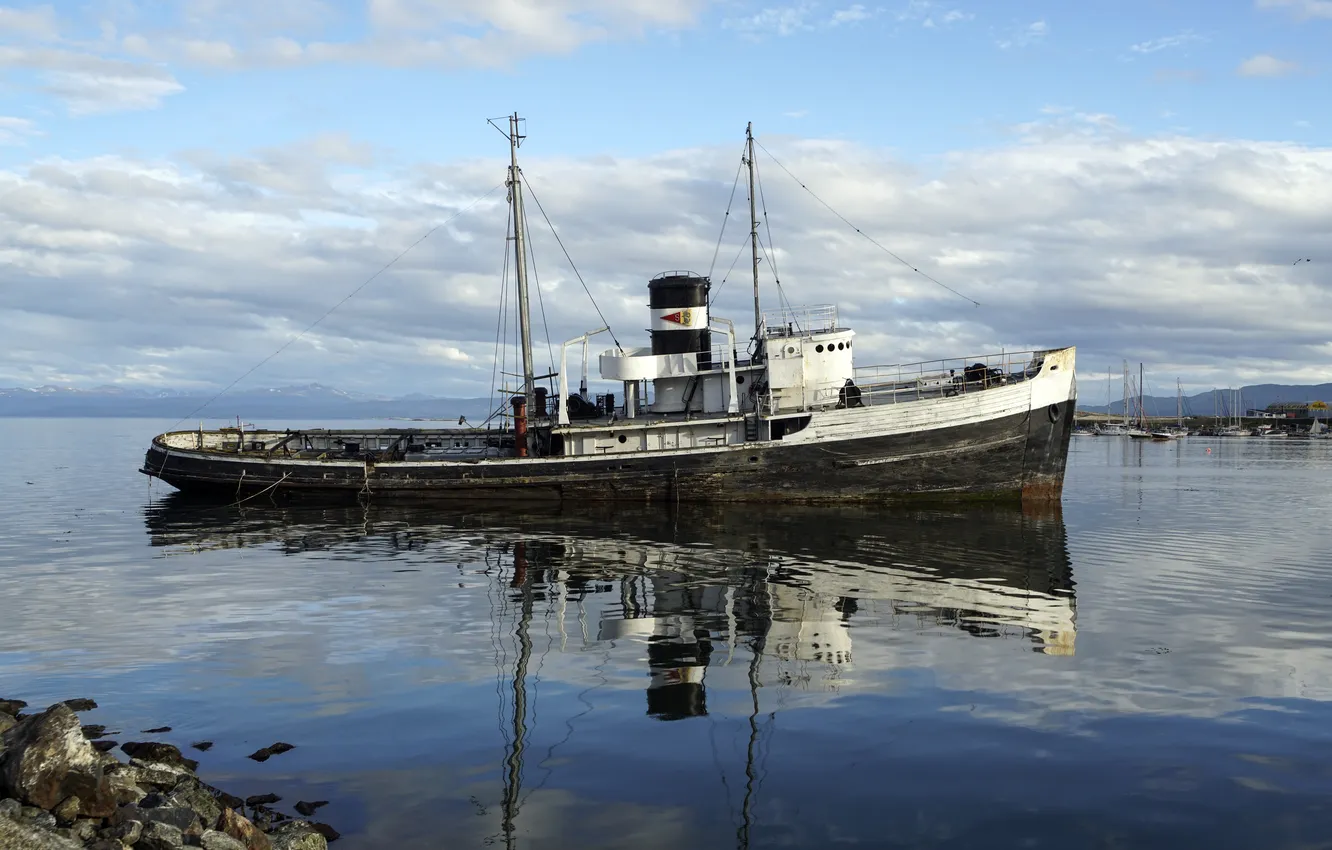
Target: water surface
x,y
1150,667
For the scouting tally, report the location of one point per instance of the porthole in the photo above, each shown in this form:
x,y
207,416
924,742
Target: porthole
x,y
1053,411
840,346
819,348
753,458
739,379
790,349
624,439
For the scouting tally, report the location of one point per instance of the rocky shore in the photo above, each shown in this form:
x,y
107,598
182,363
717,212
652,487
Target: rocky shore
x,y
62,787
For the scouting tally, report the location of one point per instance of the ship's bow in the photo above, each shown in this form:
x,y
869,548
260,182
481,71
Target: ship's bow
x,y
1054,393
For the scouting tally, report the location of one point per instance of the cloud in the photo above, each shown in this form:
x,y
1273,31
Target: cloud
x,y
38,22
1264,65
1166,42
1169,249
929,14
14,130
1300,8
784,21
1032,33
88,83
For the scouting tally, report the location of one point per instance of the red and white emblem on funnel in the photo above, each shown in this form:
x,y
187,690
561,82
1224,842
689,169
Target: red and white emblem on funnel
x,y
682,317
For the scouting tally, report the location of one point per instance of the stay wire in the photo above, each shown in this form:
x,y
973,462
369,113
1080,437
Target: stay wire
x,y
536,279
330,310
726,218
496,369
577,274
876,243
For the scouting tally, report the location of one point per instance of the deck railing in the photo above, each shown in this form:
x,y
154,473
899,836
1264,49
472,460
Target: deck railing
x,y
815,318
942,378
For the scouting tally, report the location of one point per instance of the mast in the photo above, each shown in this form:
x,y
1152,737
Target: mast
x,y
1179,404
513,763
515,185
753,228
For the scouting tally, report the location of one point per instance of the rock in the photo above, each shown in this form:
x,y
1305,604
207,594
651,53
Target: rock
x,y
22,836
36,817
12,706
265,753
195,796
67,812
202,746
297,835
84,830
160,836
128,832
47,759
329,833
262,799
123,787
308,809
93,731
214,840
105,844
157,731
243,831
158,753
10,808
227,801
7,722
105,745
152,775
183,819
79,704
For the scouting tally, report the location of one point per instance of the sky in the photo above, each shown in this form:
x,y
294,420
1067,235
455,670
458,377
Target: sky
x,y
186,185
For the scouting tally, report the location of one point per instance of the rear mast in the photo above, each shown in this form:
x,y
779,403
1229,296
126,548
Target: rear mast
x,y
753,239
515,185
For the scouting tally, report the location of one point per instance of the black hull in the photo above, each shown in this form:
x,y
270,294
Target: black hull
x,y
1018,457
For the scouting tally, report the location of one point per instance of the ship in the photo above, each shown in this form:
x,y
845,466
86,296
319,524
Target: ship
x,y
702,415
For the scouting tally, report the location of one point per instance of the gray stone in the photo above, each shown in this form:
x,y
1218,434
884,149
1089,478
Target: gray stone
x,y
10,808
194,795
84,830
160,836
148,776
297,835
12,706
37,817
181,818
47,759
105,844
124,788
7,722
23,836
214,840
158,753
127,832
67,811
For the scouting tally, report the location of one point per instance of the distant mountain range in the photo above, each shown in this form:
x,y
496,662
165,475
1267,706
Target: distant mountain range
x,y
1255,397
309,401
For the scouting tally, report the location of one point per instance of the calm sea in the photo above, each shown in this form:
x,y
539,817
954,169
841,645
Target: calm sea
x,y
1150,667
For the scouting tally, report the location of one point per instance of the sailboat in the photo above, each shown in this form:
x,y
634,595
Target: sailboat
x,y
701,418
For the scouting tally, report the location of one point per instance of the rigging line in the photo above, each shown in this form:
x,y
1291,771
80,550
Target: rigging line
x,y
876,243
770,250
726,219
727,276
768,253
577,274
495,370
330,310
541,302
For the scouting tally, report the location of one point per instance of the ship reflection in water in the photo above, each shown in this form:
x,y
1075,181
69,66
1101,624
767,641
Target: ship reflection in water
x,y
769,596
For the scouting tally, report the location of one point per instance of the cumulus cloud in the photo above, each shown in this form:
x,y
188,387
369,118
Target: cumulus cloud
x,y
1156,45
14,130
1171,250
1264,65
1023,36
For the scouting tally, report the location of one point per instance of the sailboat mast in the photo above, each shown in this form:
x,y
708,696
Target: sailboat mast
x,y
753,227
515,184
